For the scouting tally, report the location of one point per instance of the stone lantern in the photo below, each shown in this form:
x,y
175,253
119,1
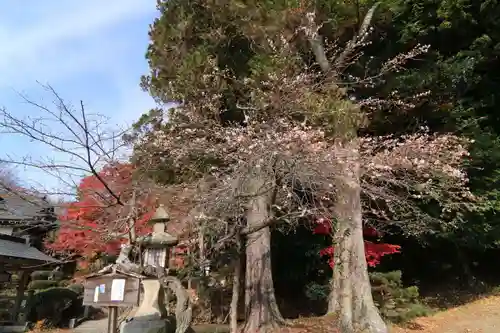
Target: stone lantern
x,y
157,245
150,315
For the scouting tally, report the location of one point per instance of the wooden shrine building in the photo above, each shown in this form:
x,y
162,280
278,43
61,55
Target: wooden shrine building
x,y
24,222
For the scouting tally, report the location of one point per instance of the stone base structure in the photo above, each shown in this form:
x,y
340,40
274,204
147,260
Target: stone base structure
x,y
151,315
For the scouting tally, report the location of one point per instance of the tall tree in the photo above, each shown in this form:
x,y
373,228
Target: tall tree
x,y
265,120
351,294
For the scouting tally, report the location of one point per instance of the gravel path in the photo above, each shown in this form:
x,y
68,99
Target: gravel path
x,y
92,326
101,326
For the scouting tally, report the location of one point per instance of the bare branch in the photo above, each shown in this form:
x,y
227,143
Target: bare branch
x,y
81,149
81,142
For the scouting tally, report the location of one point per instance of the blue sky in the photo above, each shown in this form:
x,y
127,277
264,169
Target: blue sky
x,y
87,50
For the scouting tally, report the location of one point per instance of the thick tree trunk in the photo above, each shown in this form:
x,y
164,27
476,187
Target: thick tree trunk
x,y
351,297
261,309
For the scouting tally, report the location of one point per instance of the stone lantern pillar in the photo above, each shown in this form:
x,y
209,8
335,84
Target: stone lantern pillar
x,y
157,246
150,316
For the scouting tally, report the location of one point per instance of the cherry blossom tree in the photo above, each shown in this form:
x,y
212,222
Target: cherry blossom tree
x,y
273,138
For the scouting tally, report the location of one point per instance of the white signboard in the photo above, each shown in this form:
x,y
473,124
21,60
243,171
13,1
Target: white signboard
x,y
155,257
118,290
96,294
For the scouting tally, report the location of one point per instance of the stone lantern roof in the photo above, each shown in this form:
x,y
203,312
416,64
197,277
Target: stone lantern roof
x,y
159,238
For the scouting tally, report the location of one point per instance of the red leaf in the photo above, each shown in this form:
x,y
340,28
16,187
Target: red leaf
x,y
88,221
323,227
373,251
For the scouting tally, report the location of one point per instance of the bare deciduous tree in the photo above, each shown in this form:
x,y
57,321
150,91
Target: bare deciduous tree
x,y
80,145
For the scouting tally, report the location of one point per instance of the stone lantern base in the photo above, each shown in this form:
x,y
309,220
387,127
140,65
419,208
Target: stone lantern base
x,y
150,317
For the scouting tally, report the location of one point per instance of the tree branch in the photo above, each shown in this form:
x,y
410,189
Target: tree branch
x,y
316,42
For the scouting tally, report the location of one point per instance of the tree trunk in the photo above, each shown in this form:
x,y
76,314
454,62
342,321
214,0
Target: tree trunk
x,y
351,297
261,309
233,312
183,307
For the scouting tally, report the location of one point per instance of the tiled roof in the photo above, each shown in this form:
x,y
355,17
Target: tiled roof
x,y
21,208
14,249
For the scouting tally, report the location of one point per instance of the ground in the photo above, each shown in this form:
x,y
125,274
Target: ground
x,y
93,326
480,316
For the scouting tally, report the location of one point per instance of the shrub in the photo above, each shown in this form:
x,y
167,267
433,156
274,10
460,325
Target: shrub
x,y
47,275
395,302
42,284
77,288
63,283
315,291
54,306
40,275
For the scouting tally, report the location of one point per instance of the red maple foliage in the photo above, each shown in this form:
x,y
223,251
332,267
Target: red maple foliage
x,y
88,223
373,251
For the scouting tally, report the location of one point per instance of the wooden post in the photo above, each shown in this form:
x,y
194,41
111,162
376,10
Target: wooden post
x,y
22,282
28,304
113,319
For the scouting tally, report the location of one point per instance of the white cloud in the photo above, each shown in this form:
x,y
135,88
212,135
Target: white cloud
x,y
91,50
70,37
